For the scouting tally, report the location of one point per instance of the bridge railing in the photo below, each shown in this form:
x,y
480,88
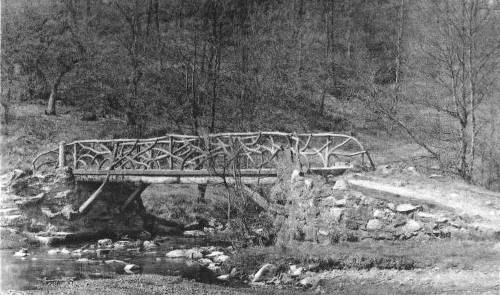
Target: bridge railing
x,y
223,151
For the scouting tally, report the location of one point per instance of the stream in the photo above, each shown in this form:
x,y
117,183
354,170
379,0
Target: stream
x,y
25,273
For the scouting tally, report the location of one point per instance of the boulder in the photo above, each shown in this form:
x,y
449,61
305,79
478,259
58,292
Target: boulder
x,y
119,245
406,208
65,251
105,243
179,253
266,272
374,224
53,251
411,226
23,252
223,277
295,271
214,254
220,259
132,268
193,254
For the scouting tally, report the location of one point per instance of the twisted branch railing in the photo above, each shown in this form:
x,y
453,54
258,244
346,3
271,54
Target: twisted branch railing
x,y
213,153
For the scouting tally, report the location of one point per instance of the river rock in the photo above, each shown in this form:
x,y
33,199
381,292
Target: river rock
x,y
194,233
374,224
220,259
295,271
23,252
179,253
204,261
405,208
120,245
193,254
223,277
411,226
266,272
132,268
214,254
105,243
53,251
65,251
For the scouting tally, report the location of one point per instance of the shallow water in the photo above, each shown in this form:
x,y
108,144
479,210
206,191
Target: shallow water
x,y
24,273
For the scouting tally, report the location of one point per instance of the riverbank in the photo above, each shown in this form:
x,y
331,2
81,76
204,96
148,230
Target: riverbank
x,y
373,281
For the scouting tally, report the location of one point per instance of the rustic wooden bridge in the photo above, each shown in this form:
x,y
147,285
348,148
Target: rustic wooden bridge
x,y
214,158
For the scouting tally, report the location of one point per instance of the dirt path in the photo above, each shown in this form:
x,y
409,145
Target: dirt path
x,y
482,205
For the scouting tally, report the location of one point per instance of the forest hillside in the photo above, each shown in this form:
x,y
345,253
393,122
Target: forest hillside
x,y
423,73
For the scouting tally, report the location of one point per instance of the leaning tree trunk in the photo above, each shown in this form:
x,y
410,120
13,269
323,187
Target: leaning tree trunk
x,y
51,106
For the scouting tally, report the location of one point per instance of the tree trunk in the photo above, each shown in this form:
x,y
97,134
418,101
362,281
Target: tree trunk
x,y
51,106
463,171
322,105
398,55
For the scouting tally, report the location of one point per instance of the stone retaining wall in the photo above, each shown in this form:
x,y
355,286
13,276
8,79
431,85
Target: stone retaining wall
x,y
322,212
44,204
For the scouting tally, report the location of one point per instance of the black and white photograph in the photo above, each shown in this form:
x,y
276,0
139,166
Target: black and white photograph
x,y
249,147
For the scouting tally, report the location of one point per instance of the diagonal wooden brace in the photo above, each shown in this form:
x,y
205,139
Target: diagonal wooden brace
x,y
85,206
137,192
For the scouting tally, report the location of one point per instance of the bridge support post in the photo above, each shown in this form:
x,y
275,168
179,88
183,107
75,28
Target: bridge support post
x,y
202,188
62,159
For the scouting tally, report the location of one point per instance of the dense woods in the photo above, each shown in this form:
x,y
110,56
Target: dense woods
x,y
426,70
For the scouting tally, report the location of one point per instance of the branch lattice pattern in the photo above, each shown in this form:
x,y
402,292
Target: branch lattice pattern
x,y
249,151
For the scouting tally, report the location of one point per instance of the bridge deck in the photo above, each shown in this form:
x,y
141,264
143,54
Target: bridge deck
x,y
247,176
